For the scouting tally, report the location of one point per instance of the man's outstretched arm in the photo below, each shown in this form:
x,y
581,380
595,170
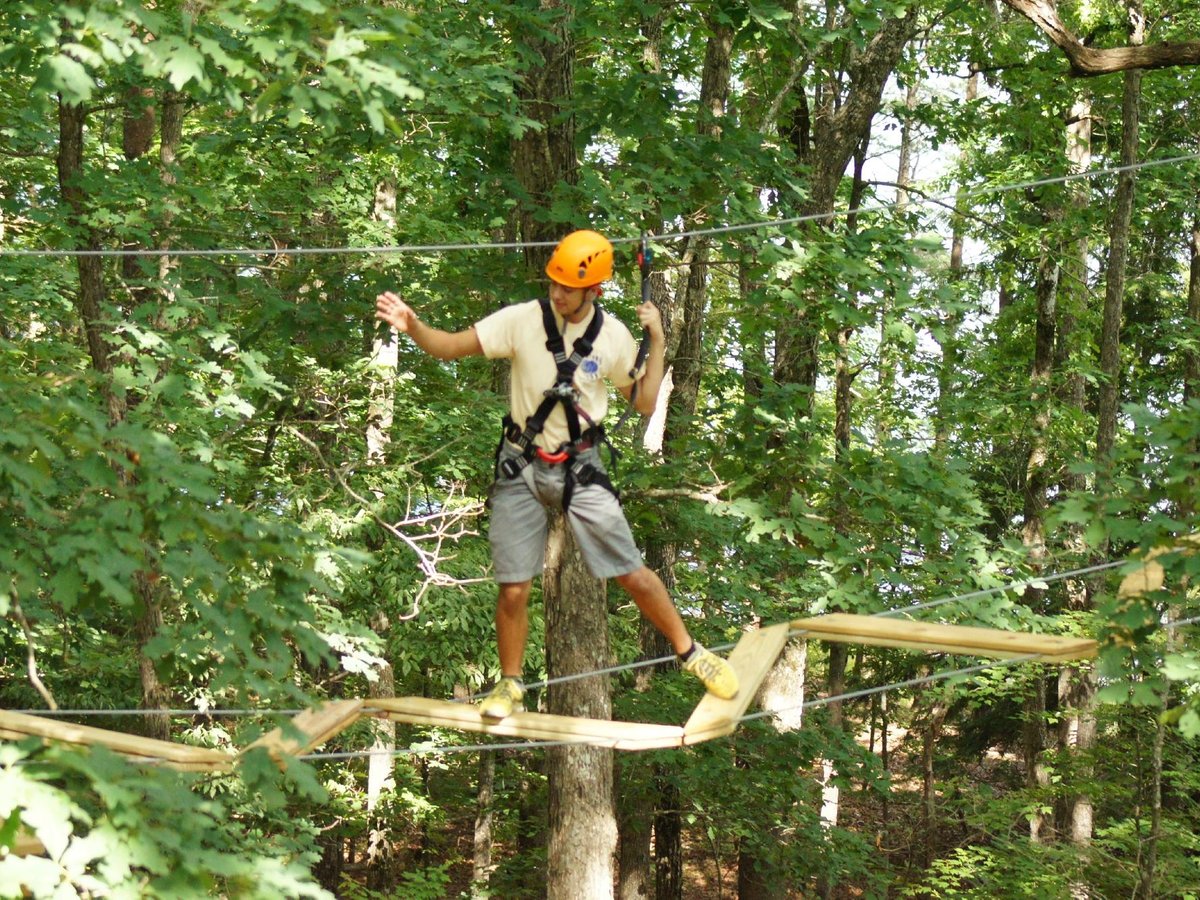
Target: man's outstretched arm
x,y
437,343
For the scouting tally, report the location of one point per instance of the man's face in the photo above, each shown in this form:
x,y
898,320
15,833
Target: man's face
x,y
569,301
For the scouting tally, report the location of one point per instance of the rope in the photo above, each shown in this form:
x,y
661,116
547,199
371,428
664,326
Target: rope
x,y
610,670
969,193
809,704
445,749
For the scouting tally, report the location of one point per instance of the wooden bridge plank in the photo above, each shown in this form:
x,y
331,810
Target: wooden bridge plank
x,y
751,659
930,636
530,725
316,726
15,726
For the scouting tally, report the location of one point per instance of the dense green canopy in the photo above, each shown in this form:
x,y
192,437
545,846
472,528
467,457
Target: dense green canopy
x,y
933,314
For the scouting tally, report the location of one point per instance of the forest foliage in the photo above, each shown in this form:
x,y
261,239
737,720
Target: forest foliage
x,y
219,492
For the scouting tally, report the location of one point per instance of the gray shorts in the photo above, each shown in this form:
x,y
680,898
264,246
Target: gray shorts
x,y
519,521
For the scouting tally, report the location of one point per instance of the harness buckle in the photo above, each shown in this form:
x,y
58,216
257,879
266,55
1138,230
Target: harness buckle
x,y
562,390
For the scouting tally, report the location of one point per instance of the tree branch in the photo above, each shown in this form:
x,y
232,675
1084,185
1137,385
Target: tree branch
x,y
31,655
1088,62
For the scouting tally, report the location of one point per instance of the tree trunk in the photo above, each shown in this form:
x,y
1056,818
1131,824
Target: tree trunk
x,y
839,654
885,393
581,814
381,765
1037,774
1073,287
1118,253
583,833
545,156
825,143
1191,362
929,738
782,693
1042,399
947,372
1148,858
481,869
683,320
90,302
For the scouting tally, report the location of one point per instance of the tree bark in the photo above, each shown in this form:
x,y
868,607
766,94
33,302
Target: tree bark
x,y
1118,254
1191,355
929,737
90,302
545,156
825,142
1037,775
1042,399
1076,685
481,869
948,340
583,833
381,765
581,814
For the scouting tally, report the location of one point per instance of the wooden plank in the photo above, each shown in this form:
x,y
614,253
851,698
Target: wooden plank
x,y
315,726
752,659
1149,576
530,725
15,726
929,636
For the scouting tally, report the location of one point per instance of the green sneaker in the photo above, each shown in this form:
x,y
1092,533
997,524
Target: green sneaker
x,y
502,699
715,674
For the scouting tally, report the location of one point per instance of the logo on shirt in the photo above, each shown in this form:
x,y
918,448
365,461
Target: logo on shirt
x,y
589,369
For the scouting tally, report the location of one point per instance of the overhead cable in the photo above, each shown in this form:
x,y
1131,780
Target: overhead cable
x,y
959,194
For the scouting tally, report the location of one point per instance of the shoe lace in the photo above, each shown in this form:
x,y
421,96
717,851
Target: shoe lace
x,y
509,689
706,666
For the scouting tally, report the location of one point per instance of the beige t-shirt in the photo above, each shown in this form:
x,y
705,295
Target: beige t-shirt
x,y
516,332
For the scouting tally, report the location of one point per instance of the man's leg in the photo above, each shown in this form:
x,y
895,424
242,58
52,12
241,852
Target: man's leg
x,y
606,542
512,627
651,597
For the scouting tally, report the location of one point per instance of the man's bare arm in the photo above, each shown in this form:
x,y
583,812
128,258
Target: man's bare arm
x,y
434,341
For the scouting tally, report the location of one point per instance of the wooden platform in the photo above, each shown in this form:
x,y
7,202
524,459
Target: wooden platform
x,y
16,726
309,729
752,659
530,725
931,637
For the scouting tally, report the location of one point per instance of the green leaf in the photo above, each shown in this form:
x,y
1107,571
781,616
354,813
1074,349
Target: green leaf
x,y
1189,724
69,77
184,65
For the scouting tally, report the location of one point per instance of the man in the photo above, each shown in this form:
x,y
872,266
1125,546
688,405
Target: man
x,y
562,350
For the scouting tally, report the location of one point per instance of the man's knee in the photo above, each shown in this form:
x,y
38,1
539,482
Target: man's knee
x,y
639,581
513,595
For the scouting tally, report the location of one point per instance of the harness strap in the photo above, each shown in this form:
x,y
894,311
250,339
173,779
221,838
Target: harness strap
x,y
562,391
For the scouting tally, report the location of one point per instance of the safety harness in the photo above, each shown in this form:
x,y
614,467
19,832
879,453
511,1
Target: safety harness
x,y
563,392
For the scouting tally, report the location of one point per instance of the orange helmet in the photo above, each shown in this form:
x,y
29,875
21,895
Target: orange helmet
x,y
581,259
